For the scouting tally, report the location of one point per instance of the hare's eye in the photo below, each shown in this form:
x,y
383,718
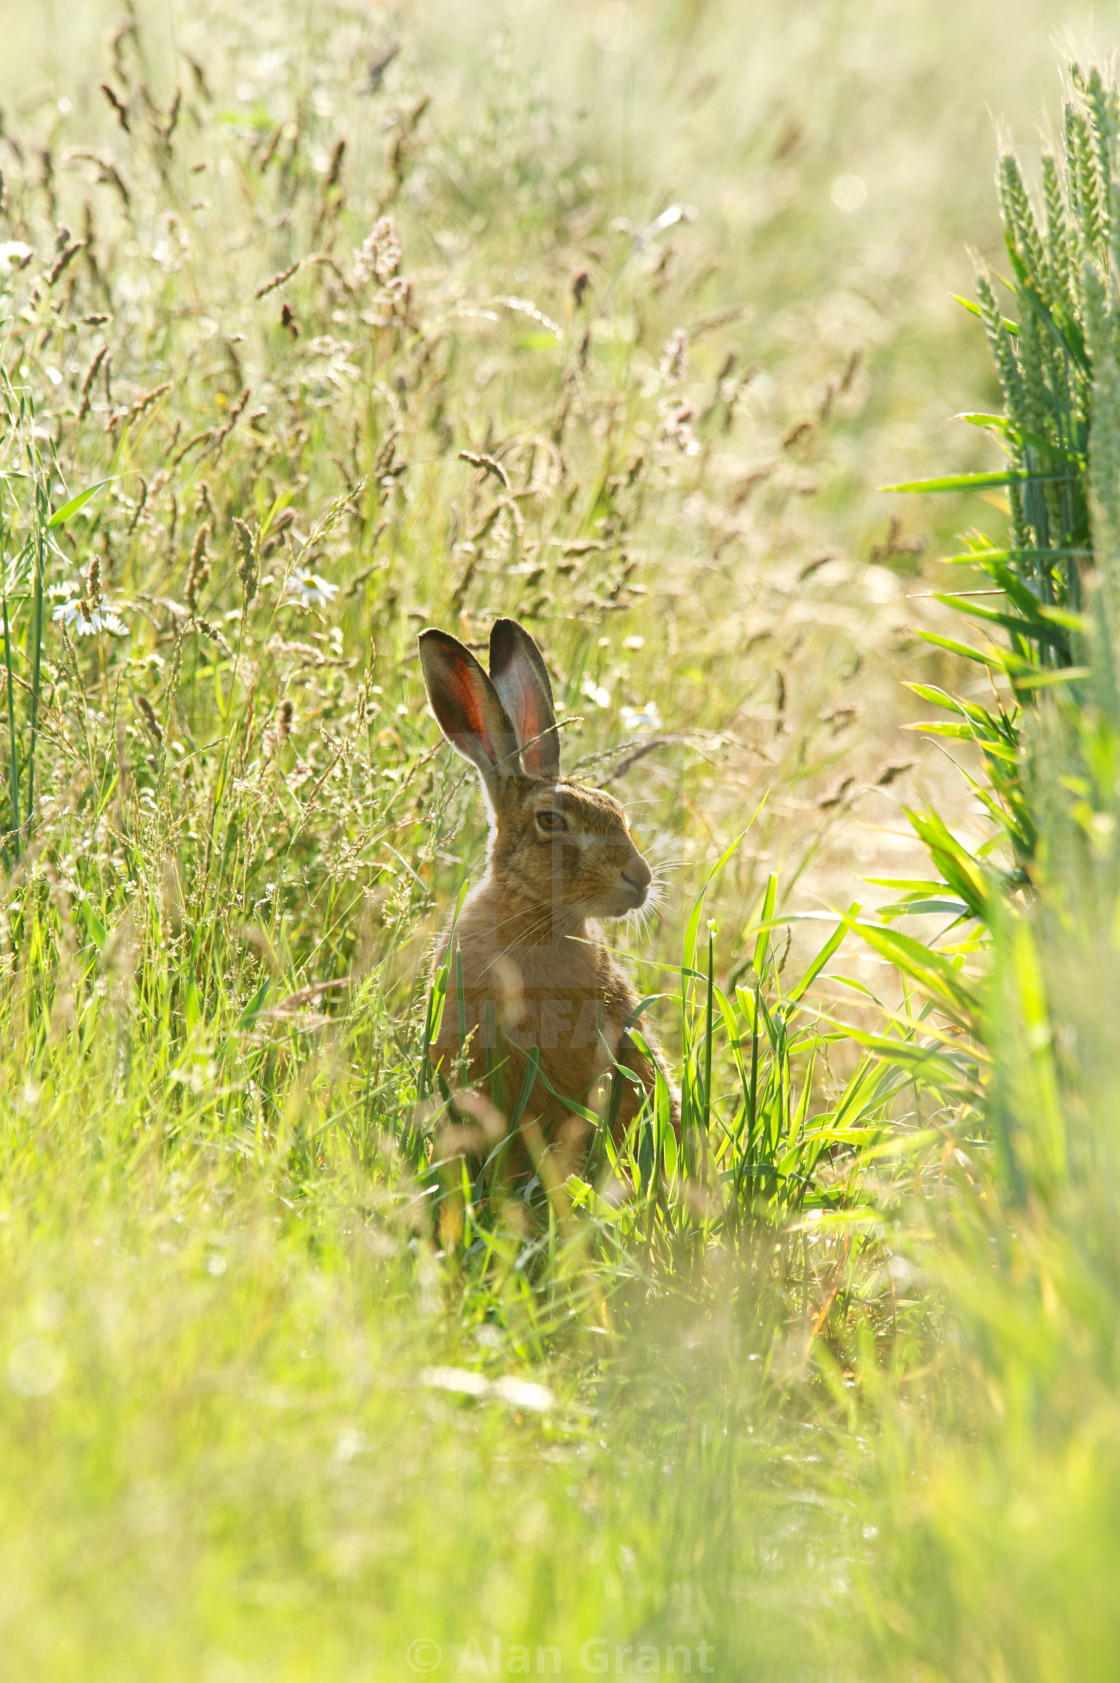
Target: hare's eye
x,y
549,822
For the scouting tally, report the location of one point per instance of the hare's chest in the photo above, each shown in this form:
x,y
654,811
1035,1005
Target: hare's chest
x,y
556,998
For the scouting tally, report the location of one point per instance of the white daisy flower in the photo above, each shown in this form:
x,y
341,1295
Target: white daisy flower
x,y
86,620
311,589
595,693
646,717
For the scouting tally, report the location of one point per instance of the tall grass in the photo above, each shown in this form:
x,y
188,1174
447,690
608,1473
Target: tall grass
x,y
1014,1449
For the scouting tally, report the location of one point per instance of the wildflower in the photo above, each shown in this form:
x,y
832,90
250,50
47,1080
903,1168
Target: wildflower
x,y
14,254
596,693
646,717
86,620
311,590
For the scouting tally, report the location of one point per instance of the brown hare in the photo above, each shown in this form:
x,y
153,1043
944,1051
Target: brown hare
x,y
528,968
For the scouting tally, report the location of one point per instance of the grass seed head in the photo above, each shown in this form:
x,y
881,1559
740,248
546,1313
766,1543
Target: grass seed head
x,y
152,724
199,570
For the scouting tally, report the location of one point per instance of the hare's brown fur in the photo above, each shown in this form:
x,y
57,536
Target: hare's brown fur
x,y
527,964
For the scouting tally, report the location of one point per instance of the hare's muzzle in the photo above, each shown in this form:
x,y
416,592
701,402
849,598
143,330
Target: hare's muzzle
x,y
635,880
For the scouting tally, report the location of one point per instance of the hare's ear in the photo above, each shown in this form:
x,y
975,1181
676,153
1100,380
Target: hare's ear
x,y
521,680
467,707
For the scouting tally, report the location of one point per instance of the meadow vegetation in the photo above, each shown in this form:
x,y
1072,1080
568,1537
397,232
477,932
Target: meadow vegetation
x,y
321,324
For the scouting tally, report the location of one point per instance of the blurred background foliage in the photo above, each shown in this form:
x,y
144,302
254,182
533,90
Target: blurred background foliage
x,y
323,323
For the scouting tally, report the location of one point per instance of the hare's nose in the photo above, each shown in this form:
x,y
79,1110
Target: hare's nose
x,y
637,876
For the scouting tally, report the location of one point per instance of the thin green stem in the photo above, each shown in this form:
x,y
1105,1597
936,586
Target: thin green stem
x,y
42,515
13,752
708,1035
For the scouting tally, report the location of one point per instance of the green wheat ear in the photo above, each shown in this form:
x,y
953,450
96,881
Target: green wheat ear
x,y
1059,365
1104,437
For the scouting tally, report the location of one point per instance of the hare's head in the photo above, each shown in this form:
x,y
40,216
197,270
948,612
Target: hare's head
x,y
561,844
